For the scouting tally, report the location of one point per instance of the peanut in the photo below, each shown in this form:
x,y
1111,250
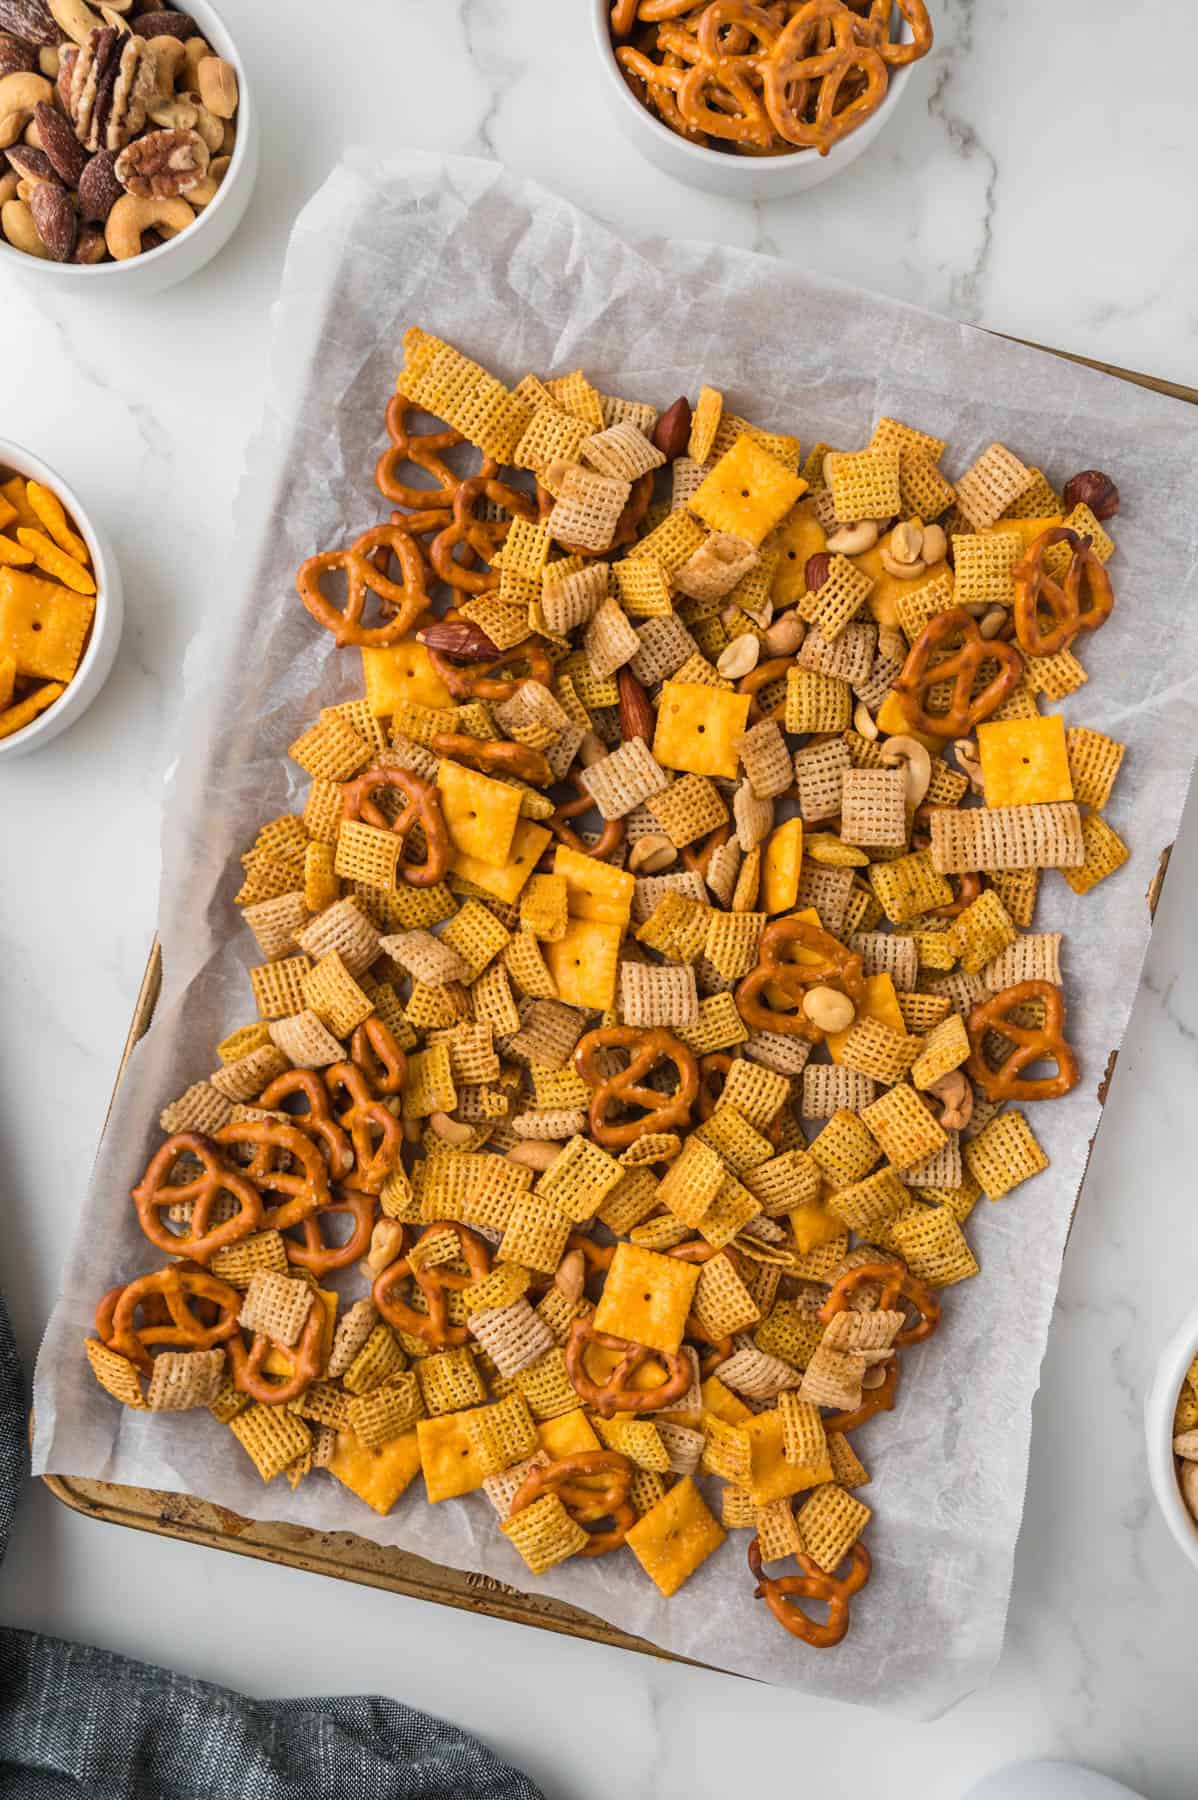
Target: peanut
x,y
386,1243
738,657
8,186
992,622
217,82
785,635
194,52
935,544
906,542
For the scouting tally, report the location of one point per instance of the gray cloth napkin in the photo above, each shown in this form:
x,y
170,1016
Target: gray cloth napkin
x,y
78,1722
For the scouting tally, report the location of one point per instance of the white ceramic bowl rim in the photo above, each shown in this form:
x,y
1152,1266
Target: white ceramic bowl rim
x,y
1175,1359
218,35
23,462
700,153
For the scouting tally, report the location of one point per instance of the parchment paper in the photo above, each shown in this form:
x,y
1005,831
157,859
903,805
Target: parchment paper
x,y
522,281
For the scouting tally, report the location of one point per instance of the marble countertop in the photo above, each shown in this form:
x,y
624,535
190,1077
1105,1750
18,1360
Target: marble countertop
x,y
1036,183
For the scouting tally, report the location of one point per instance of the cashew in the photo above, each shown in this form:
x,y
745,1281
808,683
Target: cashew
x,y
935,544
902,571
738,657
229,139
906,542
651,854
993,621
217,82
386,1242
966,753
194,52
9,182
16,221
204,192
75,19
49,62
113,19
851,540
1187,1481
900,751
20,93
169,62
828,1009
534,1153
591,750
785,635
210,128
32,136
453,1131
956,1096
131,216
571,1275
174,113
863,721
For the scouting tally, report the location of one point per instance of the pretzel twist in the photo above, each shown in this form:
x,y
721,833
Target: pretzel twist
x,y
648,1048
201,1237
306,1357
616,1394
434,1326
374,1130
1081,602
897,1284
170,1297
406,599
781,1594
1030,1044
770,997
282,1160
966,708
422,806
586,1504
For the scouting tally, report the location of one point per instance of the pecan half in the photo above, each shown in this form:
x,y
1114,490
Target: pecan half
x,y
113,80
163,164
459,640
637,718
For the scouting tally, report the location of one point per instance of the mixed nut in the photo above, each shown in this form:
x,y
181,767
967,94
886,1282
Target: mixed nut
x,y
117,127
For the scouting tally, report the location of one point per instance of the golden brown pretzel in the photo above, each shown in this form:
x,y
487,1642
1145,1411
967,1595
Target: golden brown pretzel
x,y
201,1237
1030,1044
306,1357
663,1112
316,1119
481,537
313,1252
433,1326
282,1160
423,450
422,806
770,997
483,681
799,62
1086,580
896,1284
965,709
586,1504
374,1130
615,1394
873,1401
376,1051
779,1592
495,756
169,1296
407,598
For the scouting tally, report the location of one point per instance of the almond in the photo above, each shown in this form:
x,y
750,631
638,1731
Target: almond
x,y
56,219
99,189
67,156
672,433
459,640
637,718
817,570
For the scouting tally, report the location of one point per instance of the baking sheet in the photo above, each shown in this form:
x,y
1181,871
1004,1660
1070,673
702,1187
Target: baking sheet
x,y
523,281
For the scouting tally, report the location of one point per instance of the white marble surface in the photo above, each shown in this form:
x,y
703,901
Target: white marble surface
x,y
1036,183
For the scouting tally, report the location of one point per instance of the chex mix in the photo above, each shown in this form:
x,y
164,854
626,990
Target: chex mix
x,y
651,985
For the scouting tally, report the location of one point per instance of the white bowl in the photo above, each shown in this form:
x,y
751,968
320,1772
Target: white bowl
x,y
96,664
181,256
721,171
1175,1359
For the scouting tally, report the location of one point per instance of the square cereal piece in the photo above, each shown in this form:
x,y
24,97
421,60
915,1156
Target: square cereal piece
x,y
1025,762
378,1475
1104,853
330,991
747,492
765,759
1005,837
279,987
653,996
697,729
864,483
1094,762
587,508
945,1048
873,808
911,885
688,809
845,1149
623,780
874,1048
817,703
733,942
692,1182
676,1536
981,932
869,1203
716,567
367,853
830,1522
610,640
272,1437
992,484
580,1178
1054,676
757,1093
332,750
1003,1154
805,1443
984,567
544,1533
535,1234
646,1297
933,1246
480,814
723,1304
904,1127
476,935
838,599
543,907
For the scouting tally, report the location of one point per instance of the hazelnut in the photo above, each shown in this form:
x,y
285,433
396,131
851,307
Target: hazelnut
x,y
1093,489
672,433
817,570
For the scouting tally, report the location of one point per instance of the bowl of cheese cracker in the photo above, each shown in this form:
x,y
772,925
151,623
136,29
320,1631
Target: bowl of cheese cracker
x,y
61,606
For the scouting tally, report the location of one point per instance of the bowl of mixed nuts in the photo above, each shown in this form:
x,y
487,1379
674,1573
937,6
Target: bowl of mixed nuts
x,y
128,140
1171,1421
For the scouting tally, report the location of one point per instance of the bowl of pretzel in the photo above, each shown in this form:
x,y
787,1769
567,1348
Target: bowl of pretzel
x,y
756,101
